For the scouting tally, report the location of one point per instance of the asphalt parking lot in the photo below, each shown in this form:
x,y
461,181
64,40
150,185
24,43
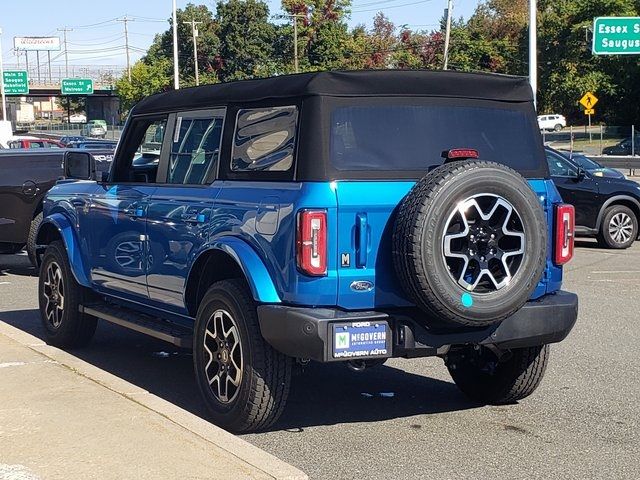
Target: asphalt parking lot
x,y
407,419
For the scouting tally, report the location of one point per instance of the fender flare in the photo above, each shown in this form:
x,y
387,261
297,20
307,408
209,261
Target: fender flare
x,y
614,199
253,268
71,244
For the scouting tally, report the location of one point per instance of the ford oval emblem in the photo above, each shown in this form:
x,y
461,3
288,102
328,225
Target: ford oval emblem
x,y
361,286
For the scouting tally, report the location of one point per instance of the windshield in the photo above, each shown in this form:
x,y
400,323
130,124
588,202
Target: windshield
x,y
398,137
585,163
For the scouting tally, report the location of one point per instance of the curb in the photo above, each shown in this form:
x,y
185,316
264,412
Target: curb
x,y
246,452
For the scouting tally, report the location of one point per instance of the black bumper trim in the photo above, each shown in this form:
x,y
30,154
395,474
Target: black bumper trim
x,y
304,332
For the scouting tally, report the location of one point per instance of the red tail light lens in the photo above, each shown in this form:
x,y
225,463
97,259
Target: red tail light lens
x,y
460,154
565,232
312,242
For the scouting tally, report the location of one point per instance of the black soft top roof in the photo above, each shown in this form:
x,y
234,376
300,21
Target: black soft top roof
x,y
424,83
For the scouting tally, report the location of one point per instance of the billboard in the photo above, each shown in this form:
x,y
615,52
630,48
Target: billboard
x,y
36,43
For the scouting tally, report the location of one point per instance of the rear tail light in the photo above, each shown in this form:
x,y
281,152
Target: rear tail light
x,y
312,242
565,233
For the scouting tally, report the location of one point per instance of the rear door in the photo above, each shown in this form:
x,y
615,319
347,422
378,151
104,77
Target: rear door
x,y
179,213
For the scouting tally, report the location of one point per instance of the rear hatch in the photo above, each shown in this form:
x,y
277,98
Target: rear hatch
x,y
381,150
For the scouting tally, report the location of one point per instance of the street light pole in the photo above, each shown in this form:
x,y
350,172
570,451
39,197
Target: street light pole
x,y
447,35
176,76
194,33
533,50
294,17
4,100
66,50
126,20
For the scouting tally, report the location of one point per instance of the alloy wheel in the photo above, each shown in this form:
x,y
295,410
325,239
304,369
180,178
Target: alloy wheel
x,y
223,368
621,228
54,294
484,243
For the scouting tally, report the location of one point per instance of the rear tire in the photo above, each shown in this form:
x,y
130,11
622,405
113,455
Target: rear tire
x,y
619,228
243,380
60,297
557,128
482,377
31,239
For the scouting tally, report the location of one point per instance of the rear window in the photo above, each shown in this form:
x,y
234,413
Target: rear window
x,y
412,137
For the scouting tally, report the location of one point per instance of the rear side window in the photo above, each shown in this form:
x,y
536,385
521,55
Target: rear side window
x,y
195,149
264,139
400,137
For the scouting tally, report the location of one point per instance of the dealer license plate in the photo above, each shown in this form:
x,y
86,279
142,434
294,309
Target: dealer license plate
x,y
361,340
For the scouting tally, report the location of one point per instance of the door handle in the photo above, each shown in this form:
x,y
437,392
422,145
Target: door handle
x,y
362,230
195,218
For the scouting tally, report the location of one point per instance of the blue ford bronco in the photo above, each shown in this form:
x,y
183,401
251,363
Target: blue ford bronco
x,y
335,216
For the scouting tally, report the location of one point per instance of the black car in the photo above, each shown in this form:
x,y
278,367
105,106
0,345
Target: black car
x,y
26,175
625,147
606,207
589,165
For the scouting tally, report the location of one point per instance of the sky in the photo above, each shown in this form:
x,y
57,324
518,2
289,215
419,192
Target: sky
x,y
97,38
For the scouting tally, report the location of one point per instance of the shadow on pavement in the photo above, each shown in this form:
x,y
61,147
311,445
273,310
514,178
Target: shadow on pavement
x,y
16,264
321,395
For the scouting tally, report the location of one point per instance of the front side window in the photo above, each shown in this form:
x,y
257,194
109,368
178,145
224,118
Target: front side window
x,y
264,139
140,157
559,166
195,149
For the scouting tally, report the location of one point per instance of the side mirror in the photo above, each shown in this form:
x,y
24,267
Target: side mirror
x,y
580,176
79,166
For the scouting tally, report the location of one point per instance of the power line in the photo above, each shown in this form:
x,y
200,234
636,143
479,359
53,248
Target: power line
x,y
391,6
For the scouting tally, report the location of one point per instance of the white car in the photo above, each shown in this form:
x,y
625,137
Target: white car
x,y
552,122
78,118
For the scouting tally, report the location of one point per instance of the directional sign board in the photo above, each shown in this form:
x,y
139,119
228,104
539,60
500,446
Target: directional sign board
x,y
16,82
589,100
76,86
616,36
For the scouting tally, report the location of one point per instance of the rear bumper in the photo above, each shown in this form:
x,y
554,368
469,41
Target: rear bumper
x,y
305,332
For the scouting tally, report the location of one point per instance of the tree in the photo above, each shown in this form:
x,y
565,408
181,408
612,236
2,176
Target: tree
x,y
247,49
208,46
146,79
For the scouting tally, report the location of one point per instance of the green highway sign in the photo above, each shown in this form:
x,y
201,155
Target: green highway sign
x,y
616,36
76,86
16,82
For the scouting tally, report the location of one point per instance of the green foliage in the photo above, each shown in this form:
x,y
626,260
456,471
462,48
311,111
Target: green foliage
x,y
240,41
146,79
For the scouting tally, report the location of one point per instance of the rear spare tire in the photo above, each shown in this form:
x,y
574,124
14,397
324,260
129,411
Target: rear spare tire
x,y
470,243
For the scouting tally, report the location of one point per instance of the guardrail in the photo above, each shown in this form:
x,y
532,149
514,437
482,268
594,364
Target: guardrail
x,y
631,163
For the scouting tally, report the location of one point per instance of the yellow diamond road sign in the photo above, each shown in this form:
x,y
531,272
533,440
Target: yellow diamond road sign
x,y
589,100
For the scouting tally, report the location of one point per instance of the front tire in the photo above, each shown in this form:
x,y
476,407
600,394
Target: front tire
x,y
243,380
60,297
485,378
619,228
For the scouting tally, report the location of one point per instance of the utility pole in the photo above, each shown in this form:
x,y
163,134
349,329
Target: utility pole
x,y
294,17
176,76
66,50
533,50
4,100
447,34
194,32
126,20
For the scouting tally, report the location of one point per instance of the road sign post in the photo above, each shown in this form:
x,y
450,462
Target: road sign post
x,y
616,36
76,86
16,82
588,101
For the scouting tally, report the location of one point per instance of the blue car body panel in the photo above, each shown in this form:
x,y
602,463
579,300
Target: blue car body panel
x,y
158,232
